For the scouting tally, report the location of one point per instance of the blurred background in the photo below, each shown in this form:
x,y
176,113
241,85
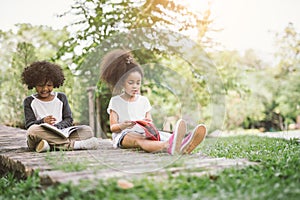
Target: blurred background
x,y
253,47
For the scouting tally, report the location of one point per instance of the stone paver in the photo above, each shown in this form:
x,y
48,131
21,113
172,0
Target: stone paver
x,y
287,135
103,163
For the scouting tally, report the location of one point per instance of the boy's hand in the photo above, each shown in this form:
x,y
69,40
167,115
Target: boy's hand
x,y
50,120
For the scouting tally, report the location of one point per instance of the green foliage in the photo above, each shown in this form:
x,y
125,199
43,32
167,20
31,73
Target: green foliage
x,y
278,86
288,51
105,26
278,166
101,19
288,101
174,91
276,176
259,95
65,163
12,188
243,87
30,43
287,72
13,91
102,97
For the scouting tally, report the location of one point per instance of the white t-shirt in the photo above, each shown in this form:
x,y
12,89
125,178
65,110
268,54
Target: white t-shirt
x,y
131,111
135,110
42,109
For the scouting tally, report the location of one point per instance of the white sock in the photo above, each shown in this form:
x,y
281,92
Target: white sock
x,y
77,145
91,143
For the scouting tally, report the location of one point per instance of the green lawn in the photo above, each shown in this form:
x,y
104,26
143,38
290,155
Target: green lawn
x,y
276,177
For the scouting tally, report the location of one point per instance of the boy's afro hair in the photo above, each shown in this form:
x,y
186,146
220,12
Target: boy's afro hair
x,y
41,72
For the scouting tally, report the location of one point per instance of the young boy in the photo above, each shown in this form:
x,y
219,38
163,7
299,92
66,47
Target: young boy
x,y
52,108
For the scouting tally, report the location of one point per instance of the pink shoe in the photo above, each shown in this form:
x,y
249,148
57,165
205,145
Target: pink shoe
x,y
177,137
191,141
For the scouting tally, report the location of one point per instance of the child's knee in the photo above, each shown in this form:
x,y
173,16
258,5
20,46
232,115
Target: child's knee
x,y
88,131
131,140
33,129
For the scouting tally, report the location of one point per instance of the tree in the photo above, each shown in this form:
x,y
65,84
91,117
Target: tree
x,y
105,24
101,19
12,90
18,49
277,87
288,53
287,71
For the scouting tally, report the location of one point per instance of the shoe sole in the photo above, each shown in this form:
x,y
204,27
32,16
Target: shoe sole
x,y
197,137
40,147
178,137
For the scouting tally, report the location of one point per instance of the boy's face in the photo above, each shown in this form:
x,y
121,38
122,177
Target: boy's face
x,y
44,90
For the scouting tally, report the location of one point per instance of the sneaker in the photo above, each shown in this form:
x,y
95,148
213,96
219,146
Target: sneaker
x,y
177,137
91,143
42,146
191,141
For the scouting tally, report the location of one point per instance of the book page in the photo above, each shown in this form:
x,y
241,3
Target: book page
x,y
65,133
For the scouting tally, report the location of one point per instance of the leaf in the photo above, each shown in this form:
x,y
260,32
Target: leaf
x,y
124,184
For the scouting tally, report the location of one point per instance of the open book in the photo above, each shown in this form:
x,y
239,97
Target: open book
x,y
150,129
65,133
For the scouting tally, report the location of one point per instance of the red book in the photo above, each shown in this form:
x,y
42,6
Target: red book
x,y
150,130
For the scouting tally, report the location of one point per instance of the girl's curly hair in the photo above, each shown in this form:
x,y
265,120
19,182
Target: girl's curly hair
x,y
116,66
41,72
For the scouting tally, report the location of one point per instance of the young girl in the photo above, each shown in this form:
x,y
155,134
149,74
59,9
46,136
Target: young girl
x,y
53,108
124,75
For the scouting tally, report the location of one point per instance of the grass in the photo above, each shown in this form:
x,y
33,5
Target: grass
x,y
64,163
276,177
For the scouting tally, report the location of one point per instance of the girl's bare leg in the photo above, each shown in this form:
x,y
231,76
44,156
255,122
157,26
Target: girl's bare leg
x,y
133,140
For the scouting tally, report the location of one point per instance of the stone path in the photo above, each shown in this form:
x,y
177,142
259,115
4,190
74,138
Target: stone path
x,y
287,135
105,162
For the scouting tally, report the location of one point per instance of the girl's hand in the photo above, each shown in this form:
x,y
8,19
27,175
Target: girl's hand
x,y
147,120
50,120
126,124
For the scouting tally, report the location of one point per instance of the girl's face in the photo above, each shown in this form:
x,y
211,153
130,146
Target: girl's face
x,y
132,83
44,90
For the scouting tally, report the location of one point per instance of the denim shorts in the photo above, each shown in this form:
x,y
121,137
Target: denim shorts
x,y
118,137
